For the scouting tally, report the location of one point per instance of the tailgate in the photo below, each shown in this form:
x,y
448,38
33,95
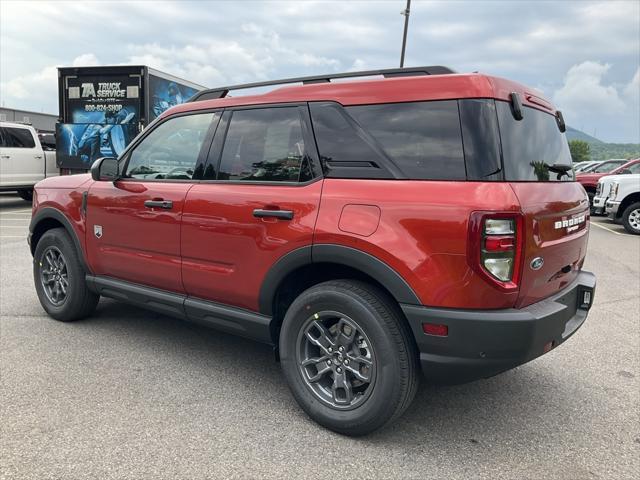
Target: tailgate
x,y
556,231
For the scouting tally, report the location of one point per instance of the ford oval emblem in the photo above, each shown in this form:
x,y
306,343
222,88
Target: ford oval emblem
x,y
536,263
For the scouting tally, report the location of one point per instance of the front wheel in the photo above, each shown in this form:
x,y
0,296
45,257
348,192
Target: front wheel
x,y
631,218
348,356
60,279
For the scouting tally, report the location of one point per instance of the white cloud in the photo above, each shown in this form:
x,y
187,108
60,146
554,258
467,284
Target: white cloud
x,y
85,60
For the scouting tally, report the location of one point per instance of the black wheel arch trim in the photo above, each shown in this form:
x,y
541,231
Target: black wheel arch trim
x,y
52,213
332,253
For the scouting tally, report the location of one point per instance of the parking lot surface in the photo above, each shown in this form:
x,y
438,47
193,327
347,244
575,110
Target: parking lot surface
x,y
133,394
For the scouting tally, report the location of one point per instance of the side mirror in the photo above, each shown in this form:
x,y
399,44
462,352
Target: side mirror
x,y
105,169
625,171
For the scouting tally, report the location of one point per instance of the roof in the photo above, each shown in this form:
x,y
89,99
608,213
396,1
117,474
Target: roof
x,y
383,90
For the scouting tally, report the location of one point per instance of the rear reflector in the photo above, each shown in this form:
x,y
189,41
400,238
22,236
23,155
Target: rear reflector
x,y
435,329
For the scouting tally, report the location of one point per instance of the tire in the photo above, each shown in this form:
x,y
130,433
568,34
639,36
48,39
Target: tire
x,y
631,218
56,256
380,336
26,194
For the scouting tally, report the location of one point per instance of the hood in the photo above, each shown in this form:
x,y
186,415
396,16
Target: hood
x,y
64,181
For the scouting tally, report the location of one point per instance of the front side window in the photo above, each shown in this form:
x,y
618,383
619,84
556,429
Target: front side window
x,y
266,145
635,168
19,137
533,149
171,150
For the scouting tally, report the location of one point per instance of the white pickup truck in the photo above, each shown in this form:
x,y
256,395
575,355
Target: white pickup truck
x,y
24,159
623,205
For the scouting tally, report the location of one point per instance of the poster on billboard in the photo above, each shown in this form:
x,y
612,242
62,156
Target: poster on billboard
x,y
81,144
98,98
164,94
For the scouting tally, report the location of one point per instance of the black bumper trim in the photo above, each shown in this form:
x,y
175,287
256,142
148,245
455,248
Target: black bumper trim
x,y
483,343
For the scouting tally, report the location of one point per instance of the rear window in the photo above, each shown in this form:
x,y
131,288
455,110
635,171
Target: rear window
x,y
533,148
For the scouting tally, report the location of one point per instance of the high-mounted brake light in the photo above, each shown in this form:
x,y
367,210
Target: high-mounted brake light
x,y
495,247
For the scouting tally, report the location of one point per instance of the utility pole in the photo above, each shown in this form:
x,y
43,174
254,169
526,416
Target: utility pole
x,y
406,13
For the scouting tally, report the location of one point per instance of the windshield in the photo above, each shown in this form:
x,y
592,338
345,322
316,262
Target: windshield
x,y
606,167
534,149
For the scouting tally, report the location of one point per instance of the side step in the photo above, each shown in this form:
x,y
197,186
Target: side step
x,y
221,317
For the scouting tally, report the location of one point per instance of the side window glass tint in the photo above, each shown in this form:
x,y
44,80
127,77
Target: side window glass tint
x,y
3,142
340,145
171,150
422,138
481,139
264,145
635,168
19,138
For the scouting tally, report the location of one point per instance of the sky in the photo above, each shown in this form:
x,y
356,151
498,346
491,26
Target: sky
x,y
584,56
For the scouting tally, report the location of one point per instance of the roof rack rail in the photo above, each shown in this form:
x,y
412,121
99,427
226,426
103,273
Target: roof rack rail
x,y
221,92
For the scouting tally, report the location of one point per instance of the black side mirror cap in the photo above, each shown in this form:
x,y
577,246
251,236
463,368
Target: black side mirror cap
x,y
516,105
560,119
105,169
626,171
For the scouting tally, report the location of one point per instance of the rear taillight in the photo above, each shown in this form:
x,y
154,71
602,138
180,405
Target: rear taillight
x,y
495,247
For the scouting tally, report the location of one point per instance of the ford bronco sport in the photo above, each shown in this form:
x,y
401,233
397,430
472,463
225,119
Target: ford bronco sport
x,y
406,220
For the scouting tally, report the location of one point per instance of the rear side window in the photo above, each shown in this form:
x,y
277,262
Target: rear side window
x,y
3,142
481,138
423,139
533,148
19,138
266,145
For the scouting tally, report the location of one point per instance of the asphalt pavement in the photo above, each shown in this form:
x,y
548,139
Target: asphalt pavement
x,y
133,394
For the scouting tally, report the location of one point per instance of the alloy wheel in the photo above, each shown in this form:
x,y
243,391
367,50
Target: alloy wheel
x,y
634,219
336,360
54,276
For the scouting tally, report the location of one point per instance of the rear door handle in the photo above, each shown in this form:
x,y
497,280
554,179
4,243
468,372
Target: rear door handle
x,y
283,214
166,204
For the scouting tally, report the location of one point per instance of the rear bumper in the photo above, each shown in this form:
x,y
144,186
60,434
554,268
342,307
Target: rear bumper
x,y
483,343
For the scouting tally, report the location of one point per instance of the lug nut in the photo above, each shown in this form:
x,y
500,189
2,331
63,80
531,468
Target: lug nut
x,y
346,361
339,370
341,349
329,362
330,349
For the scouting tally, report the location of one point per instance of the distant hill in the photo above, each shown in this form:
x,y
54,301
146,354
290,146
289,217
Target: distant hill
x,y
601,150
575,134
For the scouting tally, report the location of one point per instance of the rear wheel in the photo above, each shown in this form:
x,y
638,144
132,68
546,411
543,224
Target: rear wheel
x,y
631,218
60,279
348,356
26,194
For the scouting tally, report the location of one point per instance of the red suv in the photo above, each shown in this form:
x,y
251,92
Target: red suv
x,y
368,229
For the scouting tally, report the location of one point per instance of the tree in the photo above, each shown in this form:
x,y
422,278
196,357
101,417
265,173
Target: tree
x,y
580,151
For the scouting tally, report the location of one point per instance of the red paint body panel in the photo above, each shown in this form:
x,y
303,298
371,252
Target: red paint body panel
x,y
227,251
422,234
138,244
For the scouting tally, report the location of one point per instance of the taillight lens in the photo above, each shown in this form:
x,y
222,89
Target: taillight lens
x,y
495,243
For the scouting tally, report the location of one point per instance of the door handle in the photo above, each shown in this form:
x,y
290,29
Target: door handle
x,y
5,156
166,204
283,214
38,156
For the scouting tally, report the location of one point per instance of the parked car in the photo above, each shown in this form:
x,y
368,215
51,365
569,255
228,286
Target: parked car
x,y
604,184
368,230
23,160
623,205
582,166
589,179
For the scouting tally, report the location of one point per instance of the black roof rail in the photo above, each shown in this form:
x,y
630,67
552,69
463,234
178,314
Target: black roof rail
x,y
221,92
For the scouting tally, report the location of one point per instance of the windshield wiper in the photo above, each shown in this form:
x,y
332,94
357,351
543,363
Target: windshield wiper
x,y
559,167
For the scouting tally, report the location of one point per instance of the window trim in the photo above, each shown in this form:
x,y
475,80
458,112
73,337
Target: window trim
x,y
204,148
217,146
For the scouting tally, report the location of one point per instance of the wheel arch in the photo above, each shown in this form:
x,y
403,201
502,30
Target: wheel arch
x,y
47,219
310,265
628,200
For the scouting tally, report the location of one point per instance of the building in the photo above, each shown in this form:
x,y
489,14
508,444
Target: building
x,y
42,122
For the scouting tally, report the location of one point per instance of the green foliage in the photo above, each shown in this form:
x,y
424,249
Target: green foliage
x,y
604,151
580,151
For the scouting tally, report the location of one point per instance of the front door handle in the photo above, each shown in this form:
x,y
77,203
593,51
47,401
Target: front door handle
x,y
283,214
166,204
5,156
